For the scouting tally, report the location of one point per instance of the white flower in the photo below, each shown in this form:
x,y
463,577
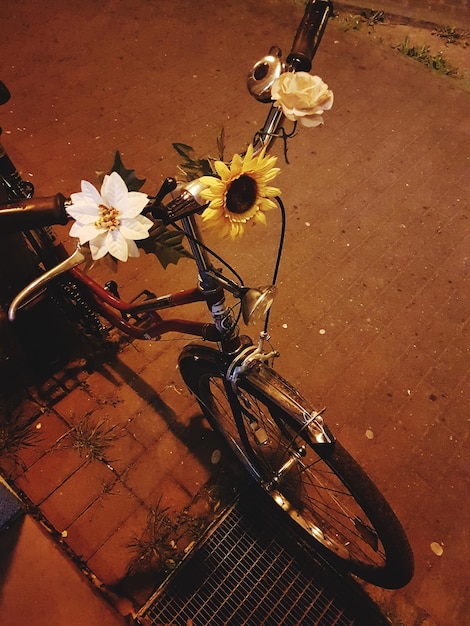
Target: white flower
x,y
109,221
303,97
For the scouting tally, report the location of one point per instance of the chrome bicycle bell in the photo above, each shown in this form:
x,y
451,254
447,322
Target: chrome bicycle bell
x,y
264,73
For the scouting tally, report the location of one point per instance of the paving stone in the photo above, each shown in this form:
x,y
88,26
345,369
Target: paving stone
x,y
77,493
51,587
76,405
50,392
146,426
106,428
123,451
442,612
190,474
454,416
47,430
103,384
144,476
165,363
29,410
131,398
460,461
110,562
101,519
171,494
178,397
142,385
436,455
133,357
48,473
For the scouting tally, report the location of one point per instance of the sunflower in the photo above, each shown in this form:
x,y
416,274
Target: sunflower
x,y
241,193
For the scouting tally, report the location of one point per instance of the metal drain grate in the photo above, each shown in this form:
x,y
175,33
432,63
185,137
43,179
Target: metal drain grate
x,y
249,571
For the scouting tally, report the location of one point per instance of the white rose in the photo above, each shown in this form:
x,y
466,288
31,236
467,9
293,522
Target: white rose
x,y
303,97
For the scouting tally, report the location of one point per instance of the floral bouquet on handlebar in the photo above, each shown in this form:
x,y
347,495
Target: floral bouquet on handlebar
x,y
111,221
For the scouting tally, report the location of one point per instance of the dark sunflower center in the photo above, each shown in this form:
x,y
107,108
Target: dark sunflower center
x,y
241,194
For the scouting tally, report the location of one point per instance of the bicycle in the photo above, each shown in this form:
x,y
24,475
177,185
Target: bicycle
x,y
281,440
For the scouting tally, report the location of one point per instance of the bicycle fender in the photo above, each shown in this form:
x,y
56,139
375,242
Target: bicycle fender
x,y
267,383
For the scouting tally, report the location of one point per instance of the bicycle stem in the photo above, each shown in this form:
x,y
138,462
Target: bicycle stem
x,y
200,255
305,44
213,290
265,137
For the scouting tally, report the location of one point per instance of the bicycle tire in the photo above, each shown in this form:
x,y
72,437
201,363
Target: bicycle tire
x,y
364,536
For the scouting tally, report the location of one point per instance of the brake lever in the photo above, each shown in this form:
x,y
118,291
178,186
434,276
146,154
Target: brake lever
x,y
81,255
156,208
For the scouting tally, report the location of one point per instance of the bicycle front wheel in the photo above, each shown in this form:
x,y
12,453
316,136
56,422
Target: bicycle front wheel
x,y
334,505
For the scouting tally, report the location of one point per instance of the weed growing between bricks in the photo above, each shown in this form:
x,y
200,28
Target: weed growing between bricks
x,y
156,547
169,536
452,35
423,55
368,18
414,40
164,540
15,434
92,440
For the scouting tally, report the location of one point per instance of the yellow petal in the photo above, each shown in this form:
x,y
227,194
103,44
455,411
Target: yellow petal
x,y
222,170
236,165
260,218
272,192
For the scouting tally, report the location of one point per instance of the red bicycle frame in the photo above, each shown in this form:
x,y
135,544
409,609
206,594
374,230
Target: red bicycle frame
x,y
125,315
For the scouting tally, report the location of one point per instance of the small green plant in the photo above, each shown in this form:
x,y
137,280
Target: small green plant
x,y
422,54
107,489
368,17
92,440
452,35
155,548
15,436
191,526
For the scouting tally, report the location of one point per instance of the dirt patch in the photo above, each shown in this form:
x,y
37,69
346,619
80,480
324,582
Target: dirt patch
x,y
445,50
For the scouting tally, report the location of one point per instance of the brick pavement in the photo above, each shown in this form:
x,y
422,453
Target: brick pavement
x,y
377,229
451,13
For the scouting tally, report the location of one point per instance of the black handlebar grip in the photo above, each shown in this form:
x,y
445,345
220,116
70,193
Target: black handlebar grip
x,y
32,213
309,34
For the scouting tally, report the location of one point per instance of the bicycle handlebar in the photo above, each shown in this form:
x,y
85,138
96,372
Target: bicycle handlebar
x,y
32,213
309,34
27,214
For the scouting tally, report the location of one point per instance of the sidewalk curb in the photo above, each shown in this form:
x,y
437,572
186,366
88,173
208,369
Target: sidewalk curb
x,y
415,15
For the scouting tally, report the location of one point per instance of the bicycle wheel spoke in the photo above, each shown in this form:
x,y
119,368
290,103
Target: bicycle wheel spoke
x,y
332,506
323,491
309,486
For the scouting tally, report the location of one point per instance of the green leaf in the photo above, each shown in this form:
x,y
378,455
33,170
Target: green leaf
x,y
183,150
192,167
221,144
166,244
133,183
193,170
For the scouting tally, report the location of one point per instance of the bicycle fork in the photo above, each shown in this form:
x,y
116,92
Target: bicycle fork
x,y
253,418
